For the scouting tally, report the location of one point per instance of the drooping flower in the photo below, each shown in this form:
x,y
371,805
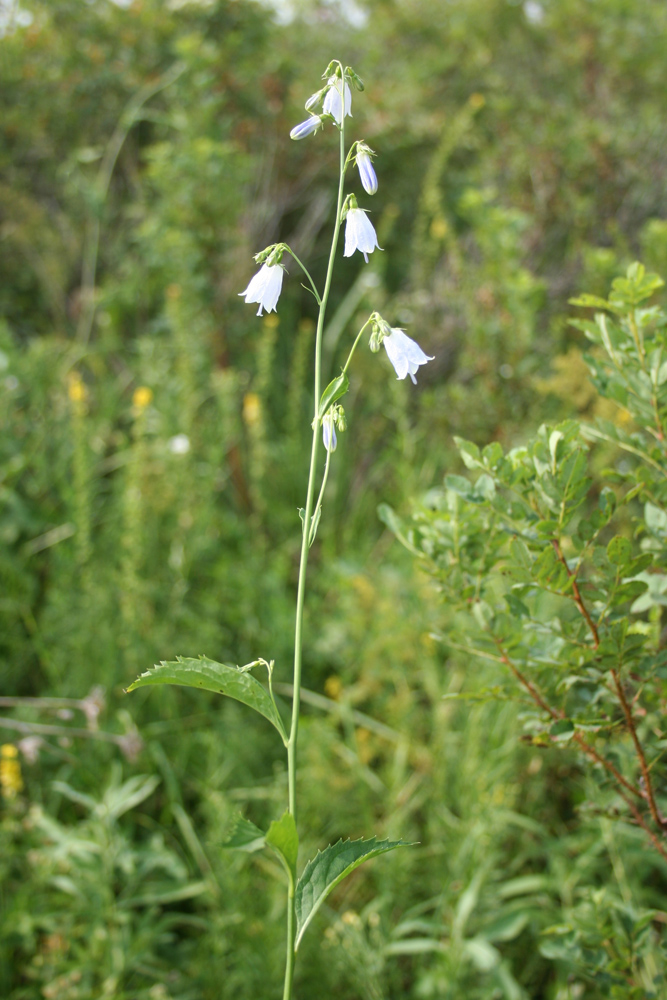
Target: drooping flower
x,y
329,432
305,128
359,234
366,172
265,287
404,353
333,102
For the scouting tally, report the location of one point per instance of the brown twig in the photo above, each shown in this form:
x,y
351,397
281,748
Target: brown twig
x,y
529,686
556,714
576,593
594,755
639,819
646,775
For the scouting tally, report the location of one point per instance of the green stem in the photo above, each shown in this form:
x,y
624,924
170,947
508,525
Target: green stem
x,y
307,274
324,477
303,562
636,336
354,345
291,930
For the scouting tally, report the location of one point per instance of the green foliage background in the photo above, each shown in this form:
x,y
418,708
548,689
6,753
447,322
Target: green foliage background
x,y
521,161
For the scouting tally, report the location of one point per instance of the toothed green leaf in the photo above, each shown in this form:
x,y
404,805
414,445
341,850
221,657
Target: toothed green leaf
x,y
329,867
207,675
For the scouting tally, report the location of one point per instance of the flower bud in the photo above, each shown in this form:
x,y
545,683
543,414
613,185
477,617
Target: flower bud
x,y
350,202
276,254
329,432
315,99
355,80
305,128
366,171
260,257
332,67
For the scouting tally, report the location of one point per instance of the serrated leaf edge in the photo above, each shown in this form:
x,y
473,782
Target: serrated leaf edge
x,y
374,851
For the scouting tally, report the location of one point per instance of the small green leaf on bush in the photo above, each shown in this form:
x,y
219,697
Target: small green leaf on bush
x,y
459,485
589,302
329,867
245,836
469,452
234,682
389,517
333,391
283,838
562,730
619,551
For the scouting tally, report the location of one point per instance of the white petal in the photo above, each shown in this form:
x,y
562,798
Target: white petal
x,y
333,102
265,287
404,353
359,234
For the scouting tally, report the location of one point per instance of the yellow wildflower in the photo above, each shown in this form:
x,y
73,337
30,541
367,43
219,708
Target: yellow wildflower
x,y
142,397
11,781
76,390
252,409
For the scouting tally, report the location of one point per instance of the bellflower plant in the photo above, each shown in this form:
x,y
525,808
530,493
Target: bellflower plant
x,y
306,891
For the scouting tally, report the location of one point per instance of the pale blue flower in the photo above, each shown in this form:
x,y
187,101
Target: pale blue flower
x,y
306,128
333,102
404,353
265,287
359,234
329,432
366,172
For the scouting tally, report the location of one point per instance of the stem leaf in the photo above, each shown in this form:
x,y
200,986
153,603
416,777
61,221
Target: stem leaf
x,y
284,839
245,836
333,391
234,682
329,867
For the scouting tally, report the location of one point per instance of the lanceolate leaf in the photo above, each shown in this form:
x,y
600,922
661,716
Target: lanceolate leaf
x,y
333,391
283,838
234,682
327,869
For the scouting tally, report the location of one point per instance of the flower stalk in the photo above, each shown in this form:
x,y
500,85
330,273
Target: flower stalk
x,y
303,561
264,288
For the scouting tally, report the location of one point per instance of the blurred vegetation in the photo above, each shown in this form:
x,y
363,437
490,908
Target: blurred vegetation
x,y
153,455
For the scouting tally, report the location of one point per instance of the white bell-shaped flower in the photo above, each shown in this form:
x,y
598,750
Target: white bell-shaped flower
x,y
265,287
359,234
333,101
404,353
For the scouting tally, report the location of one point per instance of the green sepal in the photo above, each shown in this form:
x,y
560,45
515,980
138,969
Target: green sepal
x,y
329,867
207,675
333,391
284,840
